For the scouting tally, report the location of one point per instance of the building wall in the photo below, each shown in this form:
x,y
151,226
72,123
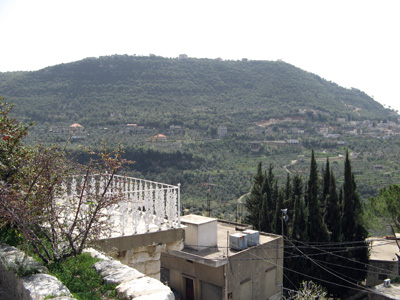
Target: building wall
x,y
379,270
207,280
256,273
143,251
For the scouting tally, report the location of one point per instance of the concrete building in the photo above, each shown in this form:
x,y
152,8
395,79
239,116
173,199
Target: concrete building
x,y
222,131
223,260
383,261
159,138
255,146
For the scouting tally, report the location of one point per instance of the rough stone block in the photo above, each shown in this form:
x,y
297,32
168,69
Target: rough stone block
x,y
96,254
144,286
158,296
175,246
153,266
141,267
41,285
156,276
114,272
140,257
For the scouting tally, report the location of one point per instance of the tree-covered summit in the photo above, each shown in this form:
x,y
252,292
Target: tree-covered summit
x,y
159,92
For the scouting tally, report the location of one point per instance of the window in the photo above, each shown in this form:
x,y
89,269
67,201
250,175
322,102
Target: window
x,y
382,276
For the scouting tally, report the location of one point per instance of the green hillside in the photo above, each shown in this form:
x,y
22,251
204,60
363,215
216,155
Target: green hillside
x,y
284,111
197,93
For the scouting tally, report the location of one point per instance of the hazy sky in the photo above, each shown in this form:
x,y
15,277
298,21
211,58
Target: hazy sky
x,y
353,43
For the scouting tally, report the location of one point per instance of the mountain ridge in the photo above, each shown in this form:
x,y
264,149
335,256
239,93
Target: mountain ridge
x,y
130,87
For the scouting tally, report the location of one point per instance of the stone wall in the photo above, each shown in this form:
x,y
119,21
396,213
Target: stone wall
x,y
132,284
143,251
32,287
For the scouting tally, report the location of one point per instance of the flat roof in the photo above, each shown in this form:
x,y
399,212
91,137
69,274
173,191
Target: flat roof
x,y
217,256
383,249
392,292
196,219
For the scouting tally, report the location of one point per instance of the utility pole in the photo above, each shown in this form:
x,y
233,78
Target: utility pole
x,y
285,218
208,203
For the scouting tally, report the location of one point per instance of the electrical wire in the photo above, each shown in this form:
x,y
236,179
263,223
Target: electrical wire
x,y
327,269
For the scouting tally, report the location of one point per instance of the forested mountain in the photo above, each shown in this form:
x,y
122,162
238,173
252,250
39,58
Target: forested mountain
x,y
269,111
196,93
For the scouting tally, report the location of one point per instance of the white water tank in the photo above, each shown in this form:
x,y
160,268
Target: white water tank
x,y
200,232
238,241
386,283
253,237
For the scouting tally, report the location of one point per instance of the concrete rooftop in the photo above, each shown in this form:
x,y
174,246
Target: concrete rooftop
x,y
217,256
383,249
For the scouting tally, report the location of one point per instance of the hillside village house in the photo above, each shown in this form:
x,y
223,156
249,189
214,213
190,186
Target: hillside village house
x,y
76,127
223,260
159,138
222,131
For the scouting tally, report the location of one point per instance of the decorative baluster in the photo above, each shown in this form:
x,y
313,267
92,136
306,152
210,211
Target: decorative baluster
x,y
148,214
168,207
122,217
135,208
92,186
126,189
73,187
159,206
82,187
179,205
64,190
174,207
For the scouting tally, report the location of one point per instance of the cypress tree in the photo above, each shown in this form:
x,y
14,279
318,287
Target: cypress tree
x,y
299,223
326,183
353,226
274,202
287,202
316,228
264,220
298,234
254,201
278,215
333,215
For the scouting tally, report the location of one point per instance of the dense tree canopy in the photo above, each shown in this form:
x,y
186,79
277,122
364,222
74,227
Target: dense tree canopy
x,y
317,218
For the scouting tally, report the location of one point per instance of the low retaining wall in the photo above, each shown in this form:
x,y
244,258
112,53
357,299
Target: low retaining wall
x,y
32,287
132,284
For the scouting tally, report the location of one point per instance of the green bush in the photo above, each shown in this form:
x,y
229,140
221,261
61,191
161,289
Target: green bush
x,y
78,275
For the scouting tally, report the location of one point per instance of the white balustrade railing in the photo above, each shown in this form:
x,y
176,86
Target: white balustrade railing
x,y
141,201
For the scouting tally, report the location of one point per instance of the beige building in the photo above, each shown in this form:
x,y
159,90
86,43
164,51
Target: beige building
x,y
383,261
223,260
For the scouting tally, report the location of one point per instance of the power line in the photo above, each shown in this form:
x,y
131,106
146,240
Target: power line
x,y
326,269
